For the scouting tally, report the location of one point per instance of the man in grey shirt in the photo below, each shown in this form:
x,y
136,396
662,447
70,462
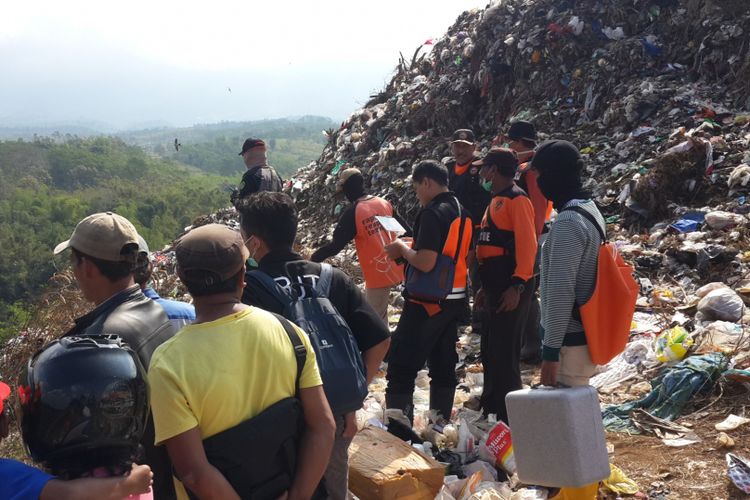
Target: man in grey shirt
x,y
569,263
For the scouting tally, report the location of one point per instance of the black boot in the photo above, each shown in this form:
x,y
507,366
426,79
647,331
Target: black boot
x,y
403,402
441,400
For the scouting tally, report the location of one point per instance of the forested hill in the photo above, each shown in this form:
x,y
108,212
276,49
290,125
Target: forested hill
x,y
47,186
292,143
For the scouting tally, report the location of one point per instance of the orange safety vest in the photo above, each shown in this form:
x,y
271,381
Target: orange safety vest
x,y
507,232
449,249
379,271
542,206
447,212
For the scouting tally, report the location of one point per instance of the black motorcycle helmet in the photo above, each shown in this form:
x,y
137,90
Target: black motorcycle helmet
x,y
84,404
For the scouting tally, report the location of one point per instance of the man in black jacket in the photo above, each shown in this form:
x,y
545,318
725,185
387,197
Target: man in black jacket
x,y
259,176
465,182
268,223
103,253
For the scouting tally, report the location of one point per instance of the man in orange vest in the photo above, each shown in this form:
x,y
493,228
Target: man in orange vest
x,y
464,181
506,251
521,138
427,331
359,222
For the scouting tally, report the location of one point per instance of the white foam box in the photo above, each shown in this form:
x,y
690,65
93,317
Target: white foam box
x,y
558,436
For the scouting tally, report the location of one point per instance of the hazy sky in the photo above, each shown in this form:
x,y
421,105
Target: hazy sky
x,y
128,64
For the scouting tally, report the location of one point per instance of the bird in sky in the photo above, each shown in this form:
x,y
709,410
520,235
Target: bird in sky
x,y
229,89
177,144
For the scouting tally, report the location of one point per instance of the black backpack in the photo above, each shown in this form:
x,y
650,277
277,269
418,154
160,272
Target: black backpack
x,y
339,359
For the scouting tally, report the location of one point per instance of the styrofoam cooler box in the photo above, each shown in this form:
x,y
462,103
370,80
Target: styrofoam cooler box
x,y
558,436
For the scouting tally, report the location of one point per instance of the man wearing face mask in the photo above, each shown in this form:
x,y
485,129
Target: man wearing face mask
x,y
358,222
268,222
506,251
521,138
465,182
568,277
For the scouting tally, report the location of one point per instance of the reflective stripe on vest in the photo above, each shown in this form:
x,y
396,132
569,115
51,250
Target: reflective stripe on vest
x,y
379,271
449,249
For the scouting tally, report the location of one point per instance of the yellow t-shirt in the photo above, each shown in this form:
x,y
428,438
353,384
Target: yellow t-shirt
x,y
215,375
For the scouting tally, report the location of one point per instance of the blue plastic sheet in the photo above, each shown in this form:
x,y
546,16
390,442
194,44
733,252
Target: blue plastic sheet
x,y
689,222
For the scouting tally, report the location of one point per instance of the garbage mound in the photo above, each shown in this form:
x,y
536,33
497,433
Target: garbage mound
x,y
655,95
653,92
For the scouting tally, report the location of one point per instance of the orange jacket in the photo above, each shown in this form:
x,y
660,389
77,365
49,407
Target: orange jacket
x,y
508,233
379,271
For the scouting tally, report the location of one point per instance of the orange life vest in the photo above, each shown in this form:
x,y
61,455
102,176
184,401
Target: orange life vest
x,y
379,271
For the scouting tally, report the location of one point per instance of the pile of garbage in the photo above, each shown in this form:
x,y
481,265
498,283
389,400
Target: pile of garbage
x,y
653,92
655,95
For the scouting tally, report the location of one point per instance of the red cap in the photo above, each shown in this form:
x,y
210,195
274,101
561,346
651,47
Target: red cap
x,y
4,393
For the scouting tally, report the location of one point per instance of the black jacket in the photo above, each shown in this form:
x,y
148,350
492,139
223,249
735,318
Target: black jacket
x,y
138,320
469,191
144,325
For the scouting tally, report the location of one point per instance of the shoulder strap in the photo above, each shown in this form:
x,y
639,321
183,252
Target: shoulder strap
x,y
300,352
460,231
590,218
324,281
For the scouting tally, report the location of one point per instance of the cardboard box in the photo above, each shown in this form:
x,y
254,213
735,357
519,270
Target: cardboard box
x,y
382,467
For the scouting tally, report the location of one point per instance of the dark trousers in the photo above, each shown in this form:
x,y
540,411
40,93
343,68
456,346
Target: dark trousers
x,y
158,459
501,351
419,339
531,344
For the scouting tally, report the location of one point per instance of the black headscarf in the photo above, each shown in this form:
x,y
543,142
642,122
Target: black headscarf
x,y
354,187
560,166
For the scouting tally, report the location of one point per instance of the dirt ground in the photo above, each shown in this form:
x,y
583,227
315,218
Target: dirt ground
x,y
696,471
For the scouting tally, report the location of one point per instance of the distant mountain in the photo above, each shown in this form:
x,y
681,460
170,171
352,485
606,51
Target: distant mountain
x,y
292,143
55,130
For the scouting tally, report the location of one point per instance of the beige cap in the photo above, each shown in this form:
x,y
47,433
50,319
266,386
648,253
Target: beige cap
x,y
103,236
210,254
344,176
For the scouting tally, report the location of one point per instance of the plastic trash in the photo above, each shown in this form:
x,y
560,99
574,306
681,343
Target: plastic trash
x,y
706,289
498,448
739,472
689,222
614,34
619,483
722,304
731,423
672,390
721,220
672,344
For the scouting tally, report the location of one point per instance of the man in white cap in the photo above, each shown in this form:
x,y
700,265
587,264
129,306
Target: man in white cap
x,y
103,254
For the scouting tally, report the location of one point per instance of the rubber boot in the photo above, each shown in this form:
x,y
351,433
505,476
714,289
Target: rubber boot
x,y
403,402
441,400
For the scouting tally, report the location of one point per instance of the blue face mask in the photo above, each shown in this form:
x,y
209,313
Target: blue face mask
x,y
487,185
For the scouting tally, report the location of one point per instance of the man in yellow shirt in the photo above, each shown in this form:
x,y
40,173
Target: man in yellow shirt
x,y
231,364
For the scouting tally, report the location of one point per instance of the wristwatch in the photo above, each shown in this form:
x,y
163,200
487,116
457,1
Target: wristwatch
x,y
520,287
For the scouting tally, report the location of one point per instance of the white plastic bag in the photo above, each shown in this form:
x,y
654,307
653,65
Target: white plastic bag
x,y
722,304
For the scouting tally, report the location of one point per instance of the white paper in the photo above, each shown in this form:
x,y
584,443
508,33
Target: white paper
x,y
390,224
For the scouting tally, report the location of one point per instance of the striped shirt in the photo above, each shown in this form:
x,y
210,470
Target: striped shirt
x,y
568,275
